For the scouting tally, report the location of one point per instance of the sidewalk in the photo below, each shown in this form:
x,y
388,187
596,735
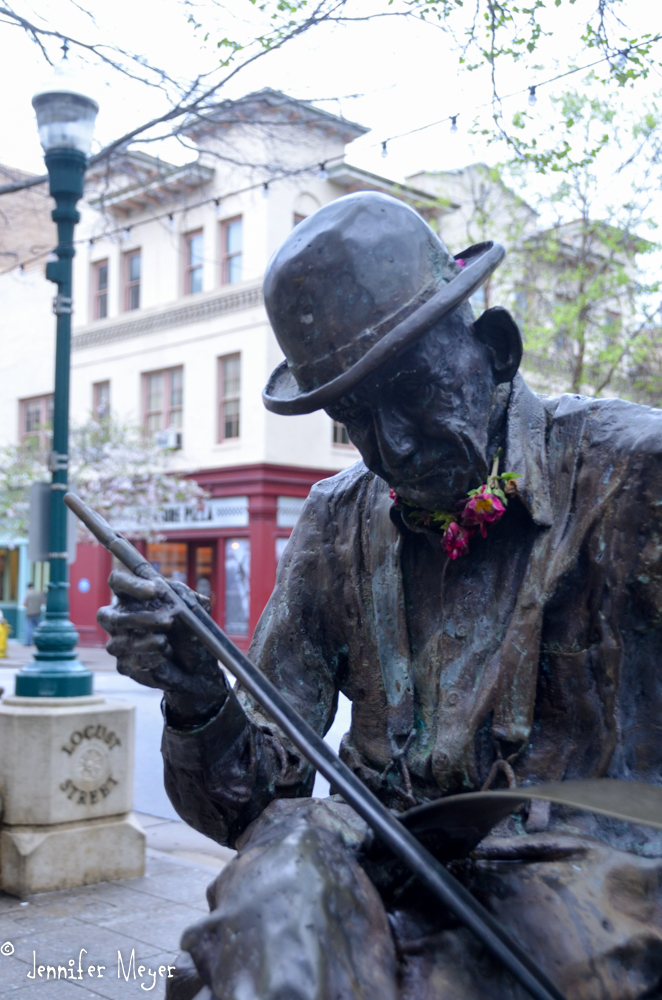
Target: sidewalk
x,y
145,916
94,657
111,921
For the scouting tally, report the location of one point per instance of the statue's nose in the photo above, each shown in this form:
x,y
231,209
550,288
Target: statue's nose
x,y
396,437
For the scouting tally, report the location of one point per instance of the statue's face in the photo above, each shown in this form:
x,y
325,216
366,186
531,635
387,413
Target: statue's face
x,y
424,422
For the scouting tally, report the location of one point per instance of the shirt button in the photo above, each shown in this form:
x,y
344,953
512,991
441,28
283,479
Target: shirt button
x,y
452,698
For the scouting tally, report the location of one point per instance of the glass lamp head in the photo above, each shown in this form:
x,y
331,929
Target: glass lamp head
x,y
65,119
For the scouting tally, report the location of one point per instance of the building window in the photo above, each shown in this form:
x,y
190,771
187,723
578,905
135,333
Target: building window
x,y
132,280
339,434
9,576
163,394
100,289
101,400
169,558
237,585
229,394
36,418
231,250
281,545
298,218
193,251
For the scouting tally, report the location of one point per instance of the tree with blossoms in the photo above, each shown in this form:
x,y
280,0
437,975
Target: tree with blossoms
x,y
113,467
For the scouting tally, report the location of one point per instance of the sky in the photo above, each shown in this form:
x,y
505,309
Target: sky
x,y
388,74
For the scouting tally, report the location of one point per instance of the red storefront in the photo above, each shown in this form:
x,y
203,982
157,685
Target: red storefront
x,y
228,550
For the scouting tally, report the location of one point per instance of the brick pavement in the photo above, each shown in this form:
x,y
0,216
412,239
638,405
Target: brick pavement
x,y
146,915
142,915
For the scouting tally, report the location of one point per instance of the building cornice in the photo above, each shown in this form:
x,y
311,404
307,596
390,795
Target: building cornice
x,y
358,179
192,312
168,185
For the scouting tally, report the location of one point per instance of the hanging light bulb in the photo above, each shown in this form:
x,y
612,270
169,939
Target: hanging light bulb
x,y
384,150
171,222
454,123
321,173
532,96
217,207
265,189
127,233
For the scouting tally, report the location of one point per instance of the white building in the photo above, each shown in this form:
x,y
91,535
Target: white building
x,y
170,331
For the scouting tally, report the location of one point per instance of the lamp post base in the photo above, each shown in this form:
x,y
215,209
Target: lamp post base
x,y
41,680
55,671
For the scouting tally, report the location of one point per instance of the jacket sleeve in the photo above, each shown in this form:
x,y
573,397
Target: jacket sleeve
x,y
219,777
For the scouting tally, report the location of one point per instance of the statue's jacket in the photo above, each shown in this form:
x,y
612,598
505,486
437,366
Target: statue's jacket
x,y
541,647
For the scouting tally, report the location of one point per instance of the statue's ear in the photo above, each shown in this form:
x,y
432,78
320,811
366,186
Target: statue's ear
x,y
497,329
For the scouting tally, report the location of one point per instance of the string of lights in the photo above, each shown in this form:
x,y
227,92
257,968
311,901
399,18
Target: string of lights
x,y
531,90
321,168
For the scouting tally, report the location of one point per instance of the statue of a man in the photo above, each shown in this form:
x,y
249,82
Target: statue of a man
x,y
534,655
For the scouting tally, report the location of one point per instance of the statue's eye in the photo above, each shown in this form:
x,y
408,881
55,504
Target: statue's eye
x,y
346,414
413,392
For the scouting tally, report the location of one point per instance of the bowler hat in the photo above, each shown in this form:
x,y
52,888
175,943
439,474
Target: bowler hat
x,y
351,286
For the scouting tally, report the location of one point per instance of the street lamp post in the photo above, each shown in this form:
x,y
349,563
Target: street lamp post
x,y
66,122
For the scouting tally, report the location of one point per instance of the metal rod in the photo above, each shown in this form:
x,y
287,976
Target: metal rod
x,y
389,830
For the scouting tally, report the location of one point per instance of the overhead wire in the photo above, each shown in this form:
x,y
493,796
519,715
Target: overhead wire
x,y
320,168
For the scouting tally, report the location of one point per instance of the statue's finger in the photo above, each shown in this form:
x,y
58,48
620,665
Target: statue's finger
x,y
119,645
153,670
128,645
126,584
141,675
152,642
116,621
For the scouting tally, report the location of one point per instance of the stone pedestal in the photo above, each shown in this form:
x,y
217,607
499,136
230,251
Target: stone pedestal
x,y
66,781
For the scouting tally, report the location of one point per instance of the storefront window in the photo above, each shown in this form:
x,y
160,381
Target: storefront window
x,y
204,564
169,558
237,585
9,576
280,548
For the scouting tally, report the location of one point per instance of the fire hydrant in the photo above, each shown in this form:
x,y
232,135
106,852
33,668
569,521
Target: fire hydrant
x,y
5,629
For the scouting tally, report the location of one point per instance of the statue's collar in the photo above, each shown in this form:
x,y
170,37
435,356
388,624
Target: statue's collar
x,y
526,451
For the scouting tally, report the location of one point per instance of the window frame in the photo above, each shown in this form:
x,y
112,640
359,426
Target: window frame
x,y
189,268
338,429
44,429
100,293
226,256
130,285
96,394
223,400
167,409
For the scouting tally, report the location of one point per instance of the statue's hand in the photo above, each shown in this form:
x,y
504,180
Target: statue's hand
x,y
155,648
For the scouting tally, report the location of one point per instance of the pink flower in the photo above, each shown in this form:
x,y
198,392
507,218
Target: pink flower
x,y
393,496
483,508
455,540
460,262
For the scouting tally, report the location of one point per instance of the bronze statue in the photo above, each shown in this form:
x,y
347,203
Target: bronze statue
x,y
486,590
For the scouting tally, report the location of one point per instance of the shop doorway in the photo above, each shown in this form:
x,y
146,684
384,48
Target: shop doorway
x,y
193,563
202,569
219,570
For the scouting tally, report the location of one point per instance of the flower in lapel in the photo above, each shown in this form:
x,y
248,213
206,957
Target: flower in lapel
x,y
455,540
483,508
484,505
